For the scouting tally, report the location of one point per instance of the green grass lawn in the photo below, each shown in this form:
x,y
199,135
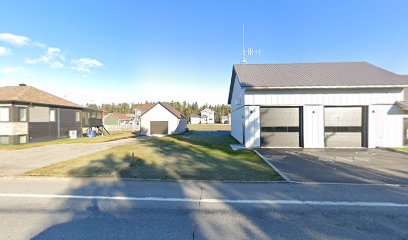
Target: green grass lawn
x,y
404,149
99,139
209,127
175,157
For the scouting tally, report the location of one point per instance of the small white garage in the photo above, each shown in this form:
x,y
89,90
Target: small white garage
x,y
317,105
162,119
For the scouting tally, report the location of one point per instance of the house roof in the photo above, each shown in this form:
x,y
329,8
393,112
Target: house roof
x,y
144,106
169,108
32,95
207,110
314,75
121,116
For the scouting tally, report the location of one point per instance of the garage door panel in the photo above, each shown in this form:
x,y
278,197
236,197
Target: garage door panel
x,y
343,116
275,117
280,127
280,139
159,127
342,139
343,126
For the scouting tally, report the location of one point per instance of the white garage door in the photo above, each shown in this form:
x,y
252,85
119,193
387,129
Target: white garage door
x,y
343,126
280,127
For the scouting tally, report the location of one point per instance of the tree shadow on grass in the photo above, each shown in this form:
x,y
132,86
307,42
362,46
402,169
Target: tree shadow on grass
x,y
178,158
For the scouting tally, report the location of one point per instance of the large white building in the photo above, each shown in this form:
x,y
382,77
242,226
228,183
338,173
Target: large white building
x,y
317,105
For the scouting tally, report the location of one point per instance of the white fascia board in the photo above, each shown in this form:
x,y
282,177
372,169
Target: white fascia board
x,y
327,87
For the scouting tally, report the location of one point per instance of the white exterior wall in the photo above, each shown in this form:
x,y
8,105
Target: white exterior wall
x,y
159,113
195,120
385,126
181,127
13,128
252,127
327,97
313,126
237,112
237,124
385,120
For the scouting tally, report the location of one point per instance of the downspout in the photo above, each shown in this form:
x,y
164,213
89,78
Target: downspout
x,y
59,123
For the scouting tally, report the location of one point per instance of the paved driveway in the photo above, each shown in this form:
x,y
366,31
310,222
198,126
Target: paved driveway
x,y
340,165
20,161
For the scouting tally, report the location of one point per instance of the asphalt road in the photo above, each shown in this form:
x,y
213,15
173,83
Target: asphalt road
x,y
105,209
19,161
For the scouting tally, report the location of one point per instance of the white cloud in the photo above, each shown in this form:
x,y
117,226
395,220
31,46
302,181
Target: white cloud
x,y
86,64
4,51
11,70
14,39
54,58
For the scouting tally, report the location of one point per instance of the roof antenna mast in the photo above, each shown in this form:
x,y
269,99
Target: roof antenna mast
x,y
249,51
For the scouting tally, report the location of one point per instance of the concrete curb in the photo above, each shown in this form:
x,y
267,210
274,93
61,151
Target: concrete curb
x,y
117,179
272,166
392,150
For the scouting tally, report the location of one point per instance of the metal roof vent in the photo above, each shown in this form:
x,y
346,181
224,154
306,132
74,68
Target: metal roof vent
x,y
22,85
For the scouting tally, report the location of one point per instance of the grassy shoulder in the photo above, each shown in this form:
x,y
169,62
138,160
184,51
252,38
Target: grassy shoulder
x,y
175,157
403,149
209,127
99,139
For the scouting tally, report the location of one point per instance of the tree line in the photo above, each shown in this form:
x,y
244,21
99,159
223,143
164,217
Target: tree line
x,y
184,108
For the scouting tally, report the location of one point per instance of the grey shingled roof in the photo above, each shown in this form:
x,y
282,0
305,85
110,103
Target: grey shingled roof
x,y
303,75
314,75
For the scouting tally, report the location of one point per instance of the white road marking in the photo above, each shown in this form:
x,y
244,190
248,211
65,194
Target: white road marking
x,y
208,200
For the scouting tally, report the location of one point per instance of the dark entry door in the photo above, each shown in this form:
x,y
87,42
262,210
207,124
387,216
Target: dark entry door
x,y
159,127
280,127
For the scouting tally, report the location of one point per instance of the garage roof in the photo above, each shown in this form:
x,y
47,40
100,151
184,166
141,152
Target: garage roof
x,y
315,75
32,95
169,108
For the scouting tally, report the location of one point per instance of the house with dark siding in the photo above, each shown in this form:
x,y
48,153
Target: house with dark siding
x,y
28,114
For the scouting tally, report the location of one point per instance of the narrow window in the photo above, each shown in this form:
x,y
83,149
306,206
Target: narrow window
x,y
23,139
4,114
77,117
22,114
52,115
4,140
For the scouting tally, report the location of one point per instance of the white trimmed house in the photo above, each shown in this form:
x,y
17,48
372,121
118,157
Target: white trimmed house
x,y
207,116
162,119
317,105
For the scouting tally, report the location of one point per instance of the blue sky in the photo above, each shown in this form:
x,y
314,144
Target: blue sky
x,y
116,51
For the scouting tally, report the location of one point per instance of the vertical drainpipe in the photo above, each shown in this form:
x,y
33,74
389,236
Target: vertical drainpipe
x,y
58,123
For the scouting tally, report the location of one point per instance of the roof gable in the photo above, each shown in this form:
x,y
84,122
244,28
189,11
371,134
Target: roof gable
x,y
169,108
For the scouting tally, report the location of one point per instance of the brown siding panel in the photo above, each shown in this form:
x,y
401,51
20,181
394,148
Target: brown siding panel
x,y
39,132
